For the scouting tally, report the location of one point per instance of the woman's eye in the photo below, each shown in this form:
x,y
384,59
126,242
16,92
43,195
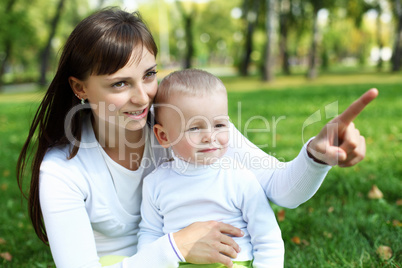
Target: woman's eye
x,y
119,84
150,74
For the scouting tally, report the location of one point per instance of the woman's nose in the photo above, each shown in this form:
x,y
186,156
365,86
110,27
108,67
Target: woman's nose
x,y
139,95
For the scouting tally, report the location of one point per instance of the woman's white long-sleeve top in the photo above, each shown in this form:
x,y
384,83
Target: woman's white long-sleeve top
x,y
90,211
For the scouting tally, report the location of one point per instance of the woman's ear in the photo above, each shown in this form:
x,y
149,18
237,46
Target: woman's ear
x,y
78,87
161,136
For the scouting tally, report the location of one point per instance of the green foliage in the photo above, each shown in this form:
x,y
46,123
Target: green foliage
x,y
218,37
18,236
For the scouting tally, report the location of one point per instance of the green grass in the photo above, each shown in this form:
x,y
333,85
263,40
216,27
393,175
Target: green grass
x,y
339,227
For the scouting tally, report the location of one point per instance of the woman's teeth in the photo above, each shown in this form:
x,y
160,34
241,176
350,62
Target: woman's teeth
x,y
136,113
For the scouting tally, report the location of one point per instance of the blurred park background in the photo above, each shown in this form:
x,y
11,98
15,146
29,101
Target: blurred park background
x,y
282,61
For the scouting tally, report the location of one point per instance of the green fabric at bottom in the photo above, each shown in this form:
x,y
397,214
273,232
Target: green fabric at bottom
x,y
236,264
111,259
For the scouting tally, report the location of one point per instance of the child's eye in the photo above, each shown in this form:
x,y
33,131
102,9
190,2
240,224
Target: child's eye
x,y
194,129
220,125
119,84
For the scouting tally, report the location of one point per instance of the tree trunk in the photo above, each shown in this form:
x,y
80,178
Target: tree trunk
x,y
45,54
188,23
268,74
312,67
283,33
8,44
397,53
248,45
188,20
379,41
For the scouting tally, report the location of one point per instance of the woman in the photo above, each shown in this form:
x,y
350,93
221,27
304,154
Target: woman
x,y
94,146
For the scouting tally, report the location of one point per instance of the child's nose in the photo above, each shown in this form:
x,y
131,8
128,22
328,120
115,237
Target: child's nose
x,y
208,136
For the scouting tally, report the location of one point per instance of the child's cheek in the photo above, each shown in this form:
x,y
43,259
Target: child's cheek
x,y
223,139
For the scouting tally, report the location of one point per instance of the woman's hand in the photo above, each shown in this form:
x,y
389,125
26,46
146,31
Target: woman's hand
x,y
208,242
339,142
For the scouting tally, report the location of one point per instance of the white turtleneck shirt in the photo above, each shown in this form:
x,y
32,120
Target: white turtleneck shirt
x,y
179,193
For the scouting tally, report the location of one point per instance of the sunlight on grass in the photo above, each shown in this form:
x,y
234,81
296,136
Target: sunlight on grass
x,y
21,97
300,81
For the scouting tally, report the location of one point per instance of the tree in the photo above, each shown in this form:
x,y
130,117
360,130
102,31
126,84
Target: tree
x,y
17,37
250,14
316,5
355,10
269,64
45,53
292,20
397,50
188,21
312,63
284,18
6,39
380,43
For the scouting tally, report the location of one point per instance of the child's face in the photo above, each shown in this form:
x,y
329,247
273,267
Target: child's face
x,y
197,128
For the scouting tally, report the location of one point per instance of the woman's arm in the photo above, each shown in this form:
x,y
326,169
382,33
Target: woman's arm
x,y
69,231
293,183
71,237
285,184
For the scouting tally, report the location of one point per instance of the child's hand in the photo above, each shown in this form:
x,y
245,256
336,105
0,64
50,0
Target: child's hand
x,y
339,142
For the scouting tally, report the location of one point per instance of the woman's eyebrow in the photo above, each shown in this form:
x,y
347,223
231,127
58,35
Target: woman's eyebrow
x,y
122,78
151,68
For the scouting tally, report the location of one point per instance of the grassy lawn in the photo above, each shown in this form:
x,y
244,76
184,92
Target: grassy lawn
x,y
339,227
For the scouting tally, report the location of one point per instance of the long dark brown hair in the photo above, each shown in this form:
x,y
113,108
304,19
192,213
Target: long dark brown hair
x,y
100,44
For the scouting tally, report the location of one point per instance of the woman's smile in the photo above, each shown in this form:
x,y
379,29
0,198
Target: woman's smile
x,y
137,115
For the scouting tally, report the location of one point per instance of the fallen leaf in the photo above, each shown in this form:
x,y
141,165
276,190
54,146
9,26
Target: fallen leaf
x,y
6,173
4,187
296,240
2,241
399,202
375,193
328,235
281,215
384,252
331,209
305,242
6,255
396,223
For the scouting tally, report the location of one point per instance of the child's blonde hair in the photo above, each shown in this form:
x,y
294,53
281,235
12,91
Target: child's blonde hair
x,y
193,82
189,82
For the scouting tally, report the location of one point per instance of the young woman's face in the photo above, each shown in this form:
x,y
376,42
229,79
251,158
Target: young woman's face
x,y
123,99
